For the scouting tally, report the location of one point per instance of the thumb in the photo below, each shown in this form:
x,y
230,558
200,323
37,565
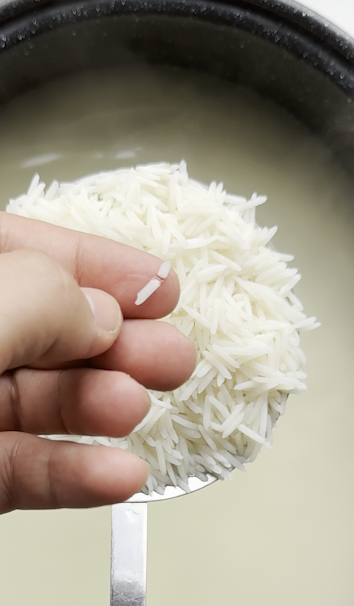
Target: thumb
x,y
46,319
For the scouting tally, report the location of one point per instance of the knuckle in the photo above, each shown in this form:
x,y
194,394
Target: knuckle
x,y
8,455
10,402
50,277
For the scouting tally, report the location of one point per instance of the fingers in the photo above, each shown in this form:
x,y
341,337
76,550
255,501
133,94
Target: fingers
x,y
36,473
99,402
75,401
95,262
154,353
45,318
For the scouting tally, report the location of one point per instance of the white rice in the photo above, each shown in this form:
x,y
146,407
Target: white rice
x,y
236,305
145,293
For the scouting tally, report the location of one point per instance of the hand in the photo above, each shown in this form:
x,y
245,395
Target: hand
x,y
70,364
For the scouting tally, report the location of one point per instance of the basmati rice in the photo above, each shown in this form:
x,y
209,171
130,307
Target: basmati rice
x,y
153,284
236,305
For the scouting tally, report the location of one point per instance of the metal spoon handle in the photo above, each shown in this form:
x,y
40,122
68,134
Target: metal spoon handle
x,y
128,555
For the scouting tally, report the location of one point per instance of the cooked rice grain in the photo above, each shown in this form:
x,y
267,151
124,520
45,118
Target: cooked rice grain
x,y
236,304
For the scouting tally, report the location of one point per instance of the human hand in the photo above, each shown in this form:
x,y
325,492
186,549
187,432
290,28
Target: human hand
x,y
70,364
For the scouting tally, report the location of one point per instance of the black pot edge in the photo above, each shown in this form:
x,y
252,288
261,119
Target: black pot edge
x,y
310,21
285,11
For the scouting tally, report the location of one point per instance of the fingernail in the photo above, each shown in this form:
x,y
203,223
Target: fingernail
x,y
146,469
195,348
148,401
105,309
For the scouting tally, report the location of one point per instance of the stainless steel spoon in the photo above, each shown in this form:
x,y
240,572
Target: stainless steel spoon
x,y
129,543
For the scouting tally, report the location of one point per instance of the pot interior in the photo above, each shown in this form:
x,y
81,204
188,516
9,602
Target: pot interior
x,y
241,43
236,92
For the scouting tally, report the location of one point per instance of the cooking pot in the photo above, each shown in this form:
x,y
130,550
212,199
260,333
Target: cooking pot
x,y
280,533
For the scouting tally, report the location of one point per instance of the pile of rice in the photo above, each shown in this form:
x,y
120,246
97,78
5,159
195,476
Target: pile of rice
x,y
236,304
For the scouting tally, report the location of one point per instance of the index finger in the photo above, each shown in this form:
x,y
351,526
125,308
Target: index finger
x,y
95,262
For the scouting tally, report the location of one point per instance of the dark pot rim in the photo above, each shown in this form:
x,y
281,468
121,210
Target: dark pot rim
x,y
282,11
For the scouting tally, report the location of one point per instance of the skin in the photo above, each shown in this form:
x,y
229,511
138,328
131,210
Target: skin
x,y
76,356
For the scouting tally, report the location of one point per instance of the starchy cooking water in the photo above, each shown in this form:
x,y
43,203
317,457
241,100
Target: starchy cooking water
x,y
282,533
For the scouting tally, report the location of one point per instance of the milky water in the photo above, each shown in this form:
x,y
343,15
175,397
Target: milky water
x,y
282,533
